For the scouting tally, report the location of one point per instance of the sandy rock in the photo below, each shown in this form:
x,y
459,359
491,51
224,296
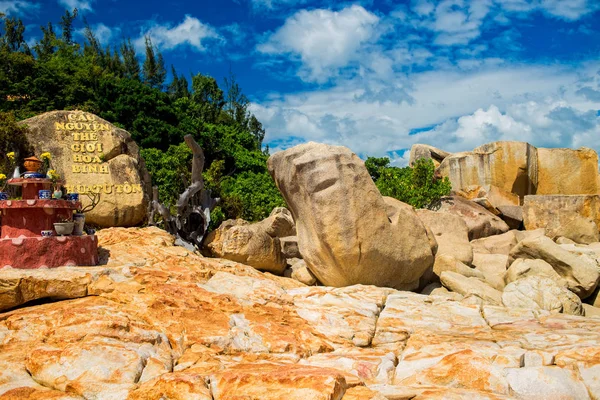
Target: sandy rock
x,y
445,293
564,240
274,382
449,263
494,195
497,244
289,247
523,268
173,386
591,311
512,215
471,287
579,229
493,267
580,271
301,273
481,222
541,212
541,293
567,171
510,166
530,234
428,152
251,244
280,223
346,232
451,234
545,383
112,165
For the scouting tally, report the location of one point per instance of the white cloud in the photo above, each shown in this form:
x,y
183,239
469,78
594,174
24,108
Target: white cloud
x,y
468,108
81,5
103,33
190,32
18,7
324,40
570,10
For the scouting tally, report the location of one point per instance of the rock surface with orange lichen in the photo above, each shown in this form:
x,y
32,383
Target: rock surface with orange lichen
x,y
157,321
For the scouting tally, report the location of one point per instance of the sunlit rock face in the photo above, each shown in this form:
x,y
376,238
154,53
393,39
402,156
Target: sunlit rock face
x,y
157,321
346,232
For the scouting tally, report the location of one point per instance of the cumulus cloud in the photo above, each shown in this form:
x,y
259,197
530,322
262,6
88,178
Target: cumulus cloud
x,y
323,40
191,32
465,108
569,10
18,7
81,5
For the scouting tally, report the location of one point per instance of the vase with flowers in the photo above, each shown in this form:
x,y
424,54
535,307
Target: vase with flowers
x,y
11,157
56,184
3,194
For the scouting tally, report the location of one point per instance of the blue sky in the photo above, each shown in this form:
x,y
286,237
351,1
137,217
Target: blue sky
x,y
379,76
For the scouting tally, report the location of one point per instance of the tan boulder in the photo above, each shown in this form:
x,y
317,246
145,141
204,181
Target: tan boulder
x,y
428,152
540,293
578,219
451,234
523,268
471,287
495,195
300,272
591,311
481,222
493,267
497,244
522,235
347,234
94,156
249,244
579,270
567,171
510,166
289,247
446,262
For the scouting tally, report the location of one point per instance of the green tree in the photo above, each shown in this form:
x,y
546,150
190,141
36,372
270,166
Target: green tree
x,y
66,23
130,61
154,66
416,186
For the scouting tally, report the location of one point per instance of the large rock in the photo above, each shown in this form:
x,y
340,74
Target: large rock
x,y
451,234
493,267
256,244
481,222
418,151
510,166
523,268
445,262
497,244
540,293
578,219
471,287
567,171
347,234
581,271
94,156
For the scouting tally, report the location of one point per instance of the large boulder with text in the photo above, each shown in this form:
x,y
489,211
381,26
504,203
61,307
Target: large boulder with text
x,y
347,233
94,156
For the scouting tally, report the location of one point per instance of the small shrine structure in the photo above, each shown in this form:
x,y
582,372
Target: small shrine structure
x,y
22,244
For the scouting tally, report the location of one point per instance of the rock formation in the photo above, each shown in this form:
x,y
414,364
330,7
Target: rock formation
x,y
92,155
158,321
347,234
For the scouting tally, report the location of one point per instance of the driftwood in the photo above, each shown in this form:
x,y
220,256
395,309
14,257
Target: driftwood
x,y
190,224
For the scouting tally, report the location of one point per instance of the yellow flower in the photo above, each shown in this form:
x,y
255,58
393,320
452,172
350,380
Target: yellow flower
x,y
53,175
11,155
46,156
2,177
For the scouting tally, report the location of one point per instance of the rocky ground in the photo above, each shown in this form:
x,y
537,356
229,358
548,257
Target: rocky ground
x,y
159,322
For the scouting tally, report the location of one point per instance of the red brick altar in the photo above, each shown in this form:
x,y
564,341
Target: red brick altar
x,y
21,242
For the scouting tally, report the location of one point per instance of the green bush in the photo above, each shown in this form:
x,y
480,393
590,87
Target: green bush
x,y
12,139
416,186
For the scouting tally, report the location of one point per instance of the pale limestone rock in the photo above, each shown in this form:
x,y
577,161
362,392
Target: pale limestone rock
x,y
173,386
493,268
591,311
580,271
512,215
564,240
541,293
124,186
497,244
523,268
578,229
471,287
494,195
481,222
445,293
449,263
567,171
428,152
451,234
545,383
529,234
347,233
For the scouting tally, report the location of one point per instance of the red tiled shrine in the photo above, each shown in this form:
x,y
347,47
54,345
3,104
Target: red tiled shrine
x,y
21,242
